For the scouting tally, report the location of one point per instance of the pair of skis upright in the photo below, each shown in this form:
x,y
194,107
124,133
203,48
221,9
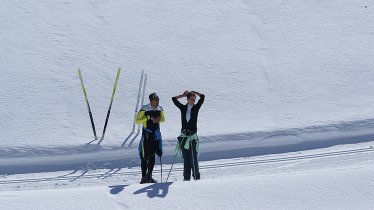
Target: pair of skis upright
x,y
142,83
89,109
142,87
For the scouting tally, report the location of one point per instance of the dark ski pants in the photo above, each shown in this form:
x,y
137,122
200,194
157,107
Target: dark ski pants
x,y
190,162
147,166
150,146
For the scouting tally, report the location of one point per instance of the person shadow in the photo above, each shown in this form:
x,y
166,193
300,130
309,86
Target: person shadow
x,y
155,190
117,189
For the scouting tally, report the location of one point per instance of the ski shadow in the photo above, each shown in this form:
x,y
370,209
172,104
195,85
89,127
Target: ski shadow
x,y
133,138
80,176
115,189
155,190
68,174
95,142
90,142
109,173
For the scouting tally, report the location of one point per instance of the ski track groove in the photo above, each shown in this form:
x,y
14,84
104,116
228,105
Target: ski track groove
x,y
71,177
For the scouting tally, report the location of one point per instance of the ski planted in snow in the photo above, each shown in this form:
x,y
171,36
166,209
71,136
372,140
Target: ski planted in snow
x,y
136,109
88,104
110,105
141,104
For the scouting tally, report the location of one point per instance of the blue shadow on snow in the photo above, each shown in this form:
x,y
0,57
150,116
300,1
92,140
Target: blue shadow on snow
x,y
117,189
155,190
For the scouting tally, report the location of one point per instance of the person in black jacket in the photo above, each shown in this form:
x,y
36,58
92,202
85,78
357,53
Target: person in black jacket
x,y
188,141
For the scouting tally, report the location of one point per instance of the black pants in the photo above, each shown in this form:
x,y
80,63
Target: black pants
x,y
147,166
190,162
148,161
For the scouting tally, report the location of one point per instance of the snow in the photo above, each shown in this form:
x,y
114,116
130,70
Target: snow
x,y
266,192
340,176
287,122
280,64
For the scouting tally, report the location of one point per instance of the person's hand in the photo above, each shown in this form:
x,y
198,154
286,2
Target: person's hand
x,y
148,114
181,141
185,93
156,119
195,92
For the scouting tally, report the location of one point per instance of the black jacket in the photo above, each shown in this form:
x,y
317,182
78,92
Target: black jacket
x,y
192,124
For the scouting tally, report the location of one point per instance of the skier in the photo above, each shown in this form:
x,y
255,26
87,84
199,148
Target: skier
x,y
150,116
188,141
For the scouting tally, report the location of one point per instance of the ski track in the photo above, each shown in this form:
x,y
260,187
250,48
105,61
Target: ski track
x,y
24,160
84,175
113,164
337,133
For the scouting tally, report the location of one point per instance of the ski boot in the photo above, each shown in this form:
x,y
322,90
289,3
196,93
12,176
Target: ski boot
x,y
150,179
143,180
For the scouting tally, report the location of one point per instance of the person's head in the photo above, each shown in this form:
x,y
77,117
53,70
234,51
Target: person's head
x,y
191,98
154,100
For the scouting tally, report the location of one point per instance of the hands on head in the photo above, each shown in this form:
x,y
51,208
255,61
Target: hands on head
x,y
193,92
185,93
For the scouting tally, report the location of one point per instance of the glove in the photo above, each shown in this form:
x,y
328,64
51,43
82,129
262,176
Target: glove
x,y
153,113
159,152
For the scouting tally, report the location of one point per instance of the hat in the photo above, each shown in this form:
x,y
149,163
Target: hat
x,y
153,96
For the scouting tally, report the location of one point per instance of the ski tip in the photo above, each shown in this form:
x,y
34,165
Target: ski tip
x,y
118,72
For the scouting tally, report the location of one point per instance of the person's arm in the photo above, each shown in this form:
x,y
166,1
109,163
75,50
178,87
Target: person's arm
x,y
197,93
162,116
175,99
201,100
141,117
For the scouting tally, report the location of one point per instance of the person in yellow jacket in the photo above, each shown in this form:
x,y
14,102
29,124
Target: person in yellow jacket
x,y
150,116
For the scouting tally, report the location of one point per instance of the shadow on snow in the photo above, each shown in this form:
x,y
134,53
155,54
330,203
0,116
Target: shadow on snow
x,y
212,148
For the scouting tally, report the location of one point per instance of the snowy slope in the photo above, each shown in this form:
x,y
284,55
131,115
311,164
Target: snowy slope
x,y
44,159
287,122
263,66
336,178
306,191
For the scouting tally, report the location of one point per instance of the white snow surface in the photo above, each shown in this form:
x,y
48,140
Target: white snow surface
x,y
287,121
339,177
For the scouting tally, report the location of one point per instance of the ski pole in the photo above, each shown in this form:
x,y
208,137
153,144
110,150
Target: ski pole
x,y
110,105
161,168
172,164
88,105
